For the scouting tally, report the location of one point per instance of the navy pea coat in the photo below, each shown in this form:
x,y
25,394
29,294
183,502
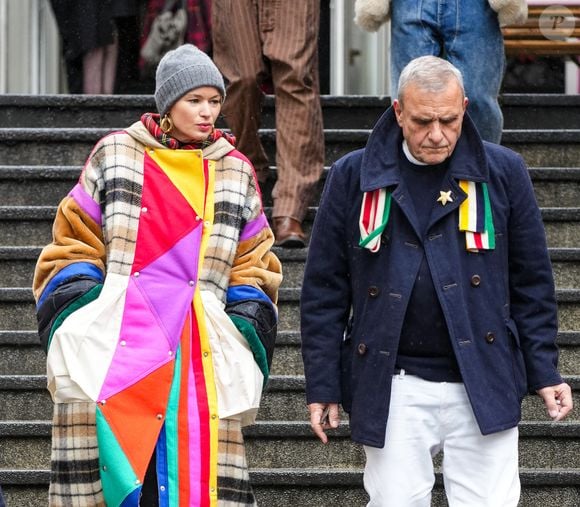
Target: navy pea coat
x,y
499,305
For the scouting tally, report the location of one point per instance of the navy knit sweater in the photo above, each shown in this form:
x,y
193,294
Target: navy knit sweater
x,y
425,349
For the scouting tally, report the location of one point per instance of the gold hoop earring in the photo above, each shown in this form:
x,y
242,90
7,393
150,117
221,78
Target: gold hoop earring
x,y
166,124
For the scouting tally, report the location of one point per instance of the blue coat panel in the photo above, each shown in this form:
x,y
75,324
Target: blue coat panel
x,y
499,305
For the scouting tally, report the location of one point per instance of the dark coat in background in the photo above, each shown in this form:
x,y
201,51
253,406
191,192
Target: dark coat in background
x,y
86,25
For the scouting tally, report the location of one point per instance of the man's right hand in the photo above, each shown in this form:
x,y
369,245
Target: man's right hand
x,y
317,424
558,400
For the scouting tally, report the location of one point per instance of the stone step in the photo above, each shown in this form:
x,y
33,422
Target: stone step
x,y
292,445
22,354
565,264
17,311
547,111
544,148
521,111
25,398
17,265
326,488
284,400
543,445
62,146
102,111
554,186
32,225
49,183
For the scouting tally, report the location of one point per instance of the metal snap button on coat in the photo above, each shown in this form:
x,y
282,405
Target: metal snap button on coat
x,y
475,281
490,337
373,291
362,349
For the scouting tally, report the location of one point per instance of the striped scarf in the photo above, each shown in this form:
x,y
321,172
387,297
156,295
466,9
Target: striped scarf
x,y
475,217
151,122
374,216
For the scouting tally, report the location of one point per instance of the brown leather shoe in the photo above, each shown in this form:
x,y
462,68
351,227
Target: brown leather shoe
x,y
288,233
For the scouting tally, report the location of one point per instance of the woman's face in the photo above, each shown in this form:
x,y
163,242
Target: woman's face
x,y
194,114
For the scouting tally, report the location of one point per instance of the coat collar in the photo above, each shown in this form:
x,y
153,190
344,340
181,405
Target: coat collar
x,y
380,166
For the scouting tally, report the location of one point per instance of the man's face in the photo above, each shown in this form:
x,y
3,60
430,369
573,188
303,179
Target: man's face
x,y
431,121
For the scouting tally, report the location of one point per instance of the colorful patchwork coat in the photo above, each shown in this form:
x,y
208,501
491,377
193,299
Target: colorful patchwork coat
x,y
156,303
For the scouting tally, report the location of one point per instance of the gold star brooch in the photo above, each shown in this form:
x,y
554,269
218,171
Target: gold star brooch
x,y
444,197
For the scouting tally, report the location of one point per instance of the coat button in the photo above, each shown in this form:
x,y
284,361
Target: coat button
x,y
362,349
490,337
475,281
373,291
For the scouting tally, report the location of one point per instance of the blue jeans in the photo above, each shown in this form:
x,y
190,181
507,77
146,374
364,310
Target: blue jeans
x,y
467,34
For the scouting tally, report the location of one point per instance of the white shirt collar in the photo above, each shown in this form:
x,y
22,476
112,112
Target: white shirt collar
x,y
410,157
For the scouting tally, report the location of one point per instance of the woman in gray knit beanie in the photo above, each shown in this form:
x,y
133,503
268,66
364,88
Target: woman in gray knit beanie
x,y
161,267
183,73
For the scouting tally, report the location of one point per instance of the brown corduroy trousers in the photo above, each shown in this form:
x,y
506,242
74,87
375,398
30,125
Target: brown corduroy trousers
x,y
256,38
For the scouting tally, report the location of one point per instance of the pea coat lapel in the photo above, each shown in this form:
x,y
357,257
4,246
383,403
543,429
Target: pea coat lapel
x,y
403,200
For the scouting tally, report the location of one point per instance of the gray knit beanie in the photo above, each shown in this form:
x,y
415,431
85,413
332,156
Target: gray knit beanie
x,y
181,70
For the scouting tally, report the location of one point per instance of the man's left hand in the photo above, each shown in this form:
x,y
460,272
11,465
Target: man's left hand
x,y
558,400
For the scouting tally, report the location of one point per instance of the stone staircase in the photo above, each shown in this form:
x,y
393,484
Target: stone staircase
x,y
44,140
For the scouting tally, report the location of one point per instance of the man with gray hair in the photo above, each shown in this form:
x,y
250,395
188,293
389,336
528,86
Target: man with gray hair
x,y
428,306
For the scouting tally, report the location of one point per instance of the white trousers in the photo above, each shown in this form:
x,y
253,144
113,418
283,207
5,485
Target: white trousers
x,y
428,417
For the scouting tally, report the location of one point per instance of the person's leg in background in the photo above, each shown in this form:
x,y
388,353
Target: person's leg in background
x,y
474,44
465,33
64,12
414,33
237,52
290,32
99,68
100,47
127,71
